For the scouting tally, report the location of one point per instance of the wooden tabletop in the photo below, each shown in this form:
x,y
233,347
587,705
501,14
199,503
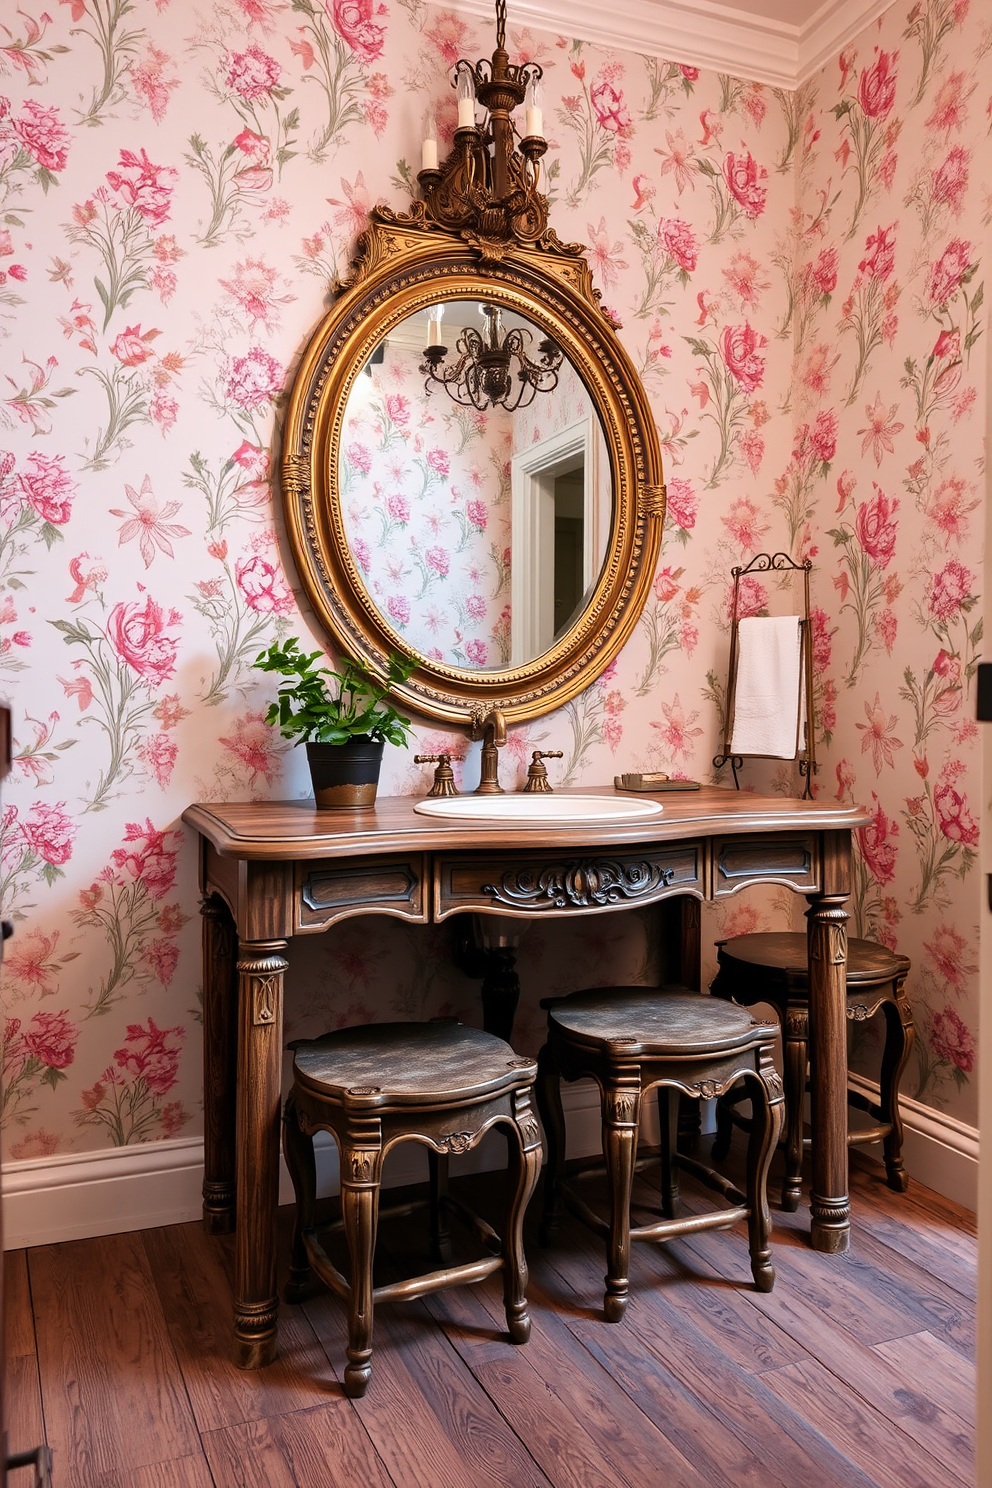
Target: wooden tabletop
x,y
279,830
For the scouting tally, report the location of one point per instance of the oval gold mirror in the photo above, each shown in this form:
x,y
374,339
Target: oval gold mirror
x,y
471,473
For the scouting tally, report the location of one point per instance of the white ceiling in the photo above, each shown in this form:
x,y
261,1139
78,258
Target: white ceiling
x,y
778,42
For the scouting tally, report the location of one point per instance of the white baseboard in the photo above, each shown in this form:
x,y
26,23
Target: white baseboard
x,y
938,1151
73,1197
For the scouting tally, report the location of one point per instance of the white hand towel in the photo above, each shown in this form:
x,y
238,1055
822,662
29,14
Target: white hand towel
x,y
769,686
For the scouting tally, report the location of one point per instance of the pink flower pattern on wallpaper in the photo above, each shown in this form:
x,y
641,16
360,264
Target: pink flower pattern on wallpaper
x,y
869,133
33,1054
426,488
125,903
799,279
127,1100
868,545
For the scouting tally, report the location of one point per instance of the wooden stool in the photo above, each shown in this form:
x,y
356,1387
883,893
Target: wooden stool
x,y
772,968
438,1083
630,1039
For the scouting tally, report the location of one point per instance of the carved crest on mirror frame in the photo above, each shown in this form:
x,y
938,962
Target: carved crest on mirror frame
x,y
390,232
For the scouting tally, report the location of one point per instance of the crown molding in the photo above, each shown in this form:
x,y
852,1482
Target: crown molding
x,y
697,32
722,38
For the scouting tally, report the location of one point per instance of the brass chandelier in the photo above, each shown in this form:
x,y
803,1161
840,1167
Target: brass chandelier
x,y
484,376
487,188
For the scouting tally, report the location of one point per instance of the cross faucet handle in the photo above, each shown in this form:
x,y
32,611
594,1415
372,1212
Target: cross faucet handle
x,y
444,777
537,774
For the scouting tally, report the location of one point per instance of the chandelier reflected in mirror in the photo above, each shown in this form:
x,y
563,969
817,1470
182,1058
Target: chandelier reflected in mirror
x,y
494,368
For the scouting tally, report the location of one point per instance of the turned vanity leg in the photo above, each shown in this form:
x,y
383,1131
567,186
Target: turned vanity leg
x,y
261,970
220,1055
795,1061
826,917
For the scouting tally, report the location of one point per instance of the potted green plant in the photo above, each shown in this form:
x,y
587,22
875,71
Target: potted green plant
x,y
342,717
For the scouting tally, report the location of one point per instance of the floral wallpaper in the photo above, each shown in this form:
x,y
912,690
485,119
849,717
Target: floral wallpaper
x,y
800,281
893,215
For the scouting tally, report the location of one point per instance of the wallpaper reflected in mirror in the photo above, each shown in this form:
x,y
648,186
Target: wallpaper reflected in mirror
x,y
478,533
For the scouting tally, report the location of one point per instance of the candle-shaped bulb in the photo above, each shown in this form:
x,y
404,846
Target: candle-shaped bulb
x,y
434,325
428,153
533,113
465,89
492,317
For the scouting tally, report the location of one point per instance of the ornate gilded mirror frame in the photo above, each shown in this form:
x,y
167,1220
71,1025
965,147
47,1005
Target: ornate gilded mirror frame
x,y
463,242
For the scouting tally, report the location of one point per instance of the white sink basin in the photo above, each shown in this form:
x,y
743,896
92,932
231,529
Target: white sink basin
x,y
542,810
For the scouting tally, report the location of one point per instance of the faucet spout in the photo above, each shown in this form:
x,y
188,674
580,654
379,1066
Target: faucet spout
x,y
489,725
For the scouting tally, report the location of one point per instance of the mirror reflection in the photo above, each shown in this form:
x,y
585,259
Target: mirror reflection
x,y
474,486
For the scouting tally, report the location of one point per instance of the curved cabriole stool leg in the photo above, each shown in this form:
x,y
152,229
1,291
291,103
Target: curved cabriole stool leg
x,y
900,1035
622,1105
668,1118
360,1173
795,1058
548,1090
523,1164
298,1148
765,1090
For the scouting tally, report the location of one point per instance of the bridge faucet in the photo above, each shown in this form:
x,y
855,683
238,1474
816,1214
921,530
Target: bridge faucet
x,y
489,725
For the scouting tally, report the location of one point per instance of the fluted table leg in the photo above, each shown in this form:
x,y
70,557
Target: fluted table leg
x,y
830,1228
261,970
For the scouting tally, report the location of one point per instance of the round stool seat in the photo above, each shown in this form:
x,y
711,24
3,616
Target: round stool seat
x,y
408,1064
785,952
652,1021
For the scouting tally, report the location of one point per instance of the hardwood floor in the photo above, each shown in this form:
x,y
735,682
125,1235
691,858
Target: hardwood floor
x,y
855,1371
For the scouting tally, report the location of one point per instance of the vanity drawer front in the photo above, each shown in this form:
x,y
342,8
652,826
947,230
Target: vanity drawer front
x,y
786,858
563,883
333,889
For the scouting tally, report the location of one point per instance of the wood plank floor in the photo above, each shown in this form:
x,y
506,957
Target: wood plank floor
x,y
855,1372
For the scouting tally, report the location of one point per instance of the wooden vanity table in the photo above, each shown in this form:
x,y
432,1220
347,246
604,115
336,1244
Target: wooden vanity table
x,y
273,870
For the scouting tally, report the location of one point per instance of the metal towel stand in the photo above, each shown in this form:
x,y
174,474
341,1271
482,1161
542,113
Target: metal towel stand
x,y
806,755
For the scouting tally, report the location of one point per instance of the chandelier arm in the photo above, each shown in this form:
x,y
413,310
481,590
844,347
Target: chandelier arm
x,y
544,379
444,376
513,344
470,343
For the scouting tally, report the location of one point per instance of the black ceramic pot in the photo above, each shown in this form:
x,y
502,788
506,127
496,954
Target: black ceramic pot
x,y
345,775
